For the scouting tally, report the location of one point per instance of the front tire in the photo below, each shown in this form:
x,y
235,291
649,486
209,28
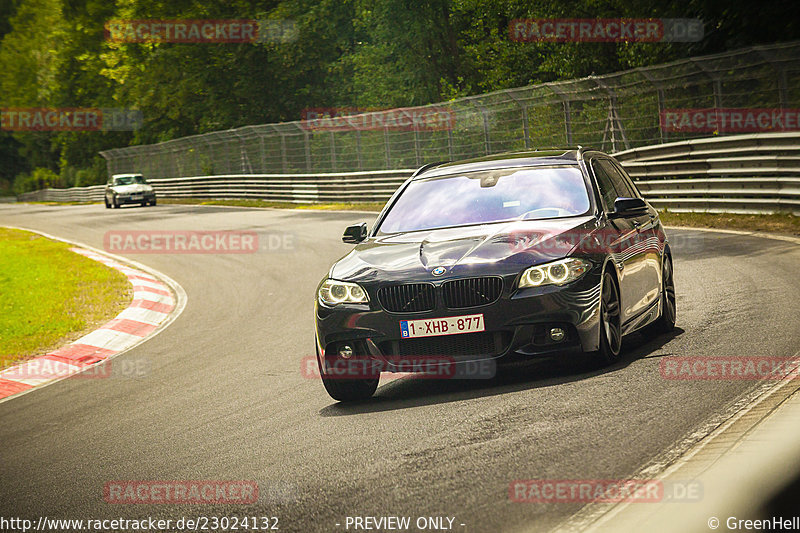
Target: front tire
x,y
666,322
108,205
610,324
115,202
348,390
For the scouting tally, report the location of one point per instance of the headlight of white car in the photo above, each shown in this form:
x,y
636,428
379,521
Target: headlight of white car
x,y
334,292
556,273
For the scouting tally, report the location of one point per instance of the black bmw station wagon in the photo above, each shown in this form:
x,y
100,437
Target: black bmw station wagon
x,y
517,255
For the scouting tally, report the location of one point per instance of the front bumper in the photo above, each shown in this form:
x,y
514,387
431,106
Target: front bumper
x,y
516,325
136,198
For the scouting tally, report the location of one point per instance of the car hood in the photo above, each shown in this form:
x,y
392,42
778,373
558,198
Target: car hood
x,y
132,188
499,248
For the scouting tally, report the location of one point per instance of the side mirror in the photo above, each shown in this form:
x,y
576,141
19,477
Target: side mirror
x,y
624,207
355,234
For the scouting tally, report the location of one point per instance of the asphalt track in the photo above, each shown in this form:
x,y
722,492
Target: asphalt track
x,y
224,398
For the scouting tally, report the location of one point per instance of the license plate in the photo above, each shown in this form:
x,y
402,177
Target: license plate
x,y
431,327
136,197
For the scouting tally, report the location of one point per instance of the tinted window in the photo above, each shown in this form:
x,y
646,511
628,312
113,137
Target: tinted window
x,y
488,196
626,179
623,189
607,190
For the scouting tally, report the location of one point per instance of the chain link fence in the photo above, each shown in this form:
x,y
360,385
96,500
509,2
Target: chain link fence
x,y
613,112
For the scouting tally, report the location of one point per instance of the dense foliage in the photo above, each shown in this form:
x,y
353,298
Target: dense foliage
x,y
363,53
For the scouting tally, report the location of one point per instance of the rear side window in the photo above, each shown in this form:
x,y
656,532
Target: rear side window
x,y
607,190
623,189
626,179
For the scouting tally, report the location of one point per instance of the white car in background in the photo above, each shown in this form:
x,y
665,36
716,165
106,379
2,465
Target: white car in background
x,y
124,189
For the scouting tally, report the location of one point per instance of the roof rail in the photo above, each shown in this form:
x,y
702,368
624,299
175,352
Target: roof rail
x,y
427,166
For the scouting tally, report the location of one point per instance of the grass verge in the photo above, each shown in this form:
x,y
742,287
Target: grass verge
x,y
785,224
50,296
349,206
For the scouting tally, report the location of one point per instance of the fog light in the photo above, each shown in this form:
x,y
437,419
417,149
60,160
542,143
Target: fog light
x,y
345,351
557,334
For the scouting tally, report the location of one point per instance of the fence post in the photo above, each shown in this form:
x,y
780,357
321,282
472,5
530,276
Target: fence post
x,y
567,111
613,117
358,150
306,145
716,84
284,166
525,133
783,89
487,148
662,135
333,152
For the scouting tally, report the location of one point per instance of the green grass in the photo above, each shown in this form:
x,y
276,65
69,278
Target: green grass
x,y
50,296
786,224
350,206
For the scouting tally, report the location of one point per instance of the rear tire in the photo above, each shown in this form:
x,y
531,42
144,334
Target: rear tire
x,y
666,322
610,350
348,390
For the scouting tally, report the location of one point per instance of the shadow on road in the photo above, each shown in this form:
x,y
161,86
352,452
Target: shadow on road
x,y
538,373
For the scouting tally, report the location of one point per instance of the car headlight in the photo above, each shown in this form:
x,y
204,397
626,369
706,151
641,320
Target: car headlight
x,y
555,273
334,292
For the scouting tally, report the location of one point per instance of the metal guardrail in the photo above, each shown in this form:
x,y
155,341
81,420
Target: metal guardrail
x,y
756,173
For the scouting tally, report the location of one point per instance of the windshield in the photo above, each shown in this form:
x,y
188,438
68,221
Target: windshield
x,y
128,180
488,196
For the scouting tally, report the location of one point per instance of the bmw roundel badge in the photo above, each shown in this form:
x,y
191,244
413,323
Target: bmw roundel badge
x,y
438,271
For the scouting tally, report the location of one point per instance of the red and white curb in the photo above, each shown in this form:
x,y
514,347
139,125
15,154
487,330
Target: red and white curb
x,y
157,301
